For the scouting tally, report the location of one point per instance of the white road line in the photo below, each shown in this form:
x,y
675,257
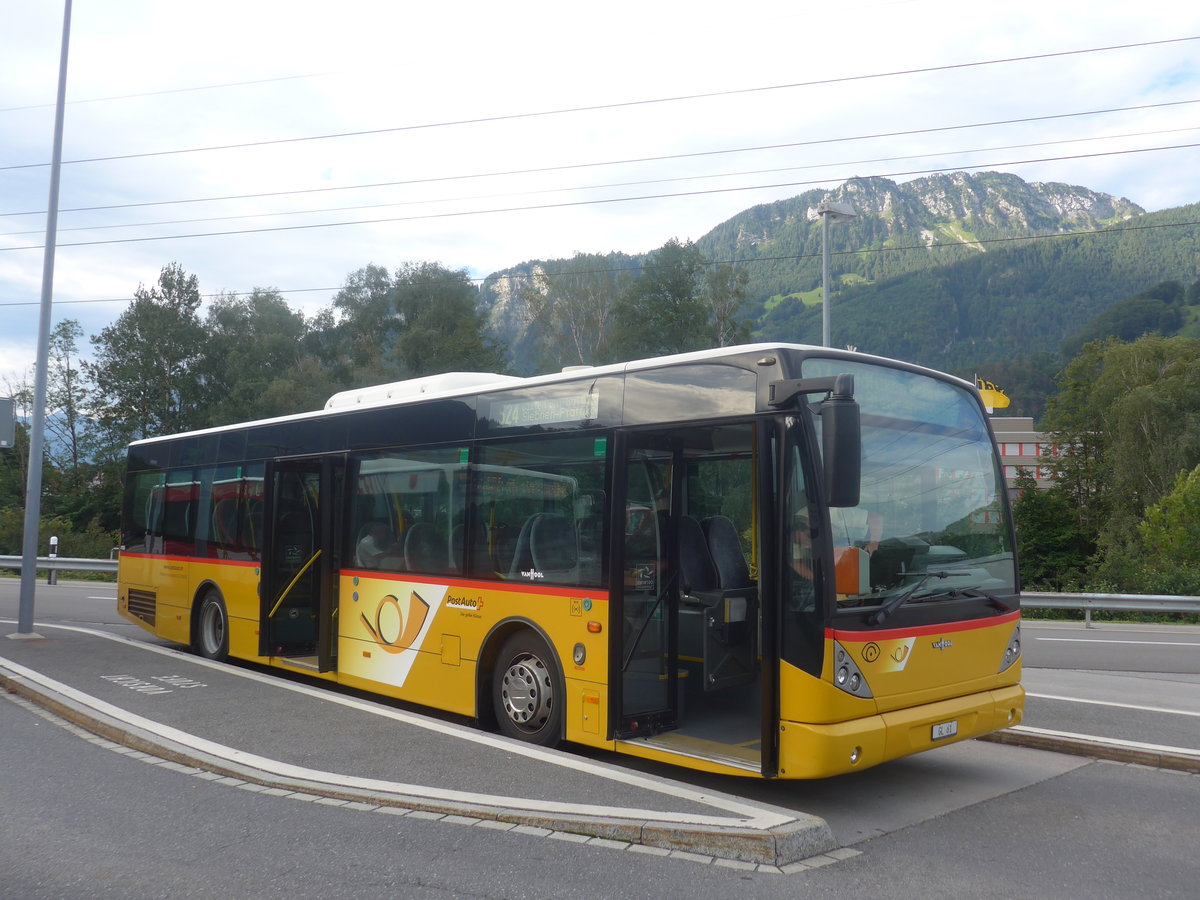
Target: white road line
x,y
1091,738
753,816
1157,709
1195,644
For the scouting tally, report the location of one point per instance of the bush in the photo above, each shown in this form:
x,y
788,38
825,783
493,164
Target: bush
x,y
92,543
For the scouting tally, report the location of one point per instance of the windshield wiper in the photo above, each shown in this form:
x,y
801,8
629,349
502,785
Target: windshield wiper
x,y
895,602
981,594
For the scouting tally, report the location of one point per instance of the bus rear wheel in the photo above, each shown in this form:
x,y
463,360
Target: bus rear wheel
x,y
527,693
212,628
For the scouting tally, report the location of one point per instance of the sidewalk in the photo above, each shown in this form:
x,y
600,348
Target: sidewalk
x,y
1102,715
285,735
292,737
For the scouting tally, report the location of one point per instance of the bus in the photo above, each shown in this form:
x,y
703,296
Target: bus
x,y
773,560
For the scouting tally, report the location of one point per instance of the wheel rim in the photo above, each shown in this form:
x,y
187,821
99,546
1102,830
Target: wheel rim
x,y
526,691
212,628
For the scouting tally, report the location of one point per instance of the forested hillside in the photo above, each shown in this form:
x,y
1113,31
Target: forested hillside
x,y
974,274
966,273
1013,298
934,270
926,223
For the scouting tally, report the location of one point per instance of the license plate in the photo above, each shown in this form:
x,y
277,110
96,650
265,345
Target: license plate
x,y
943,730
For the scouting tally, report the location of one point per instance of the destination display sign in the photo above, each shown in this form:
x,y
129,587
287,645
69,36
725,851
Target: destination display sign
x,y
579,407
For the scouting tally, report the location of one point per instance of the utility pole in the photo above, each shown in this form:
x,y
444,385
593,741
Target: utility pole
x,y
830,213
37,429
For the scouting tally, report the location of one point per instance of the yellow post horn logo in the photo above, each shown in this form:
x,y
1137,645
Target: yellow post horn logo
x,y
396,628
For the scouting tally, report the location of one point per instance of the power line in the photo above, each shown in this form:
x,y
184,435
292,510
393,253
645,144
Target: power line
x,y
1102,232
596,187
581,203
673,157
166,91
607,106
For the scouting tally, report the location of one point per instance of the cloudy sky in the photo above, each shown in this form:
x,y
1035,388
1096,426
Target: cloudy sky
x,y
286,143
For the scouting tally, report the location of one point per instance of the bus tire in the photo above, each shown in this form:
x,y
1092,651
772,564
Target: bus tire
x,y
527,692
212,628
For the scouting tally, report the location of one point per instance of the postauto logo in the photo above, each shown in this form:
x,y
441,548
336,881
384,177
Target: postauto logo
x,y
396,623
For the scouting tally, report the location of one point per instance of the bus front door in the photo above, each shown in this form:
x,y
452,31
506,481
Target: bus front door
x,y
299,576
689,601
648,565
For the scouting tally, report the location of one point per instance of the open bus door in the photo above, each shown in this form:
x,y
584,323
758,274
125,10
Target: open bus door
x,y
649,583
689,612
298,592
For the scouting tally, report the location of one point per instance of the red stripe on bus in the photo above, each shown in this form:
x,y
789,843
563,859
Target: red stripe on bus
x,y
921,630
206,560
565,590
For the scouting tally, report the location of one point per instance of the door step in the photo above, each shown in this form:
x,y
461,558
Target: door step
x,y
748,758
308,663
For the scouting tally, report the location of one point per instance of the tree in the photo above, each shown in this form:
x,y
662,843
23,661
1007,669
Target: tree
x,y
82,485
66,399
725,294
572,307
1129,416
1170,540
146,367
663,311
14,474
251,342
366,328
440,328
303,387
1053,549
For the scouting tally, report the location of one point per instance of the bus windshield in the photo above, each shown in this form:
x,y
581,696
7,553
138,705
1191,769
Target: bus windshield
x,y
930,517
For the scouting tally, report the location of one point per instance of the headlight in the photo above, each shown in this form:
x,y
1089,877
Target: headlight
x,y
1013,651
848,677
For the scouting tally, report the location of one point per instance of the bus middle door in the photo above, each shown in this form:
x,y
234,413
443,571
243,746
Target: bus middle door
x,y
300,564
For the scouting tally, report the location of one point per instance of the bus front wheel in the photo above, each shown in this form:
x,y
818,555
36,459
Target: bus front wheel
x,y
212,628
527,694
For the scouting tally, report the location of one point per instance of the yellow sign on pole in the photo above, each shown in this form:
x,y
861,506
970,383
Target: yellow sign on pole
x,y
993,397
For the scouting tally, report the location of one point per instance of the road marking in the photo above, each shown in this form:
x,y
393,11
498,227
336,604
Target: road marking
x,y
751,815
1157,709
1109,641
818,861
287,770
1116,742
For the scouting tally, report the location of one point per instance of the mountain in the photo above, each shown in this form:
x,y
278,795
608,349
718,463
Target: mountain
x,y
940,270
1011,299
939,219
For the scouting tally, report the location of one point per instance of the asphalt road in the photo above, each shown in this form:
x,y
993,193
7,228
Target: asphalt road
x,y
84,820
967,820
1110,647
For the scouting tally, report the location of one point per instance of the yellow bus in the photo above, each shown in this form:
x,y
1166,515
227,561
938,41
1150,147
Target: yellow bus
x,y
772,560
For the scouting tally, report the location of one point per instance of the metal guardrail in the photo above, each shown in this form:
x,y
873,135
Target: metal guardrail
x,y
1029,599
1111,602
62,564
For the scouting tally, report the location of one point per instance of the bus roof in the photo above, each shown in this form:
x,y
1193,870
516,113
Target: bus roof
x,y
396,391
458,384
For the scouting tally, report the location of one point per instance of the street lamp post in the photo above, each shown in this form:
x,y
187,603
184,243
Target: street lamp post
x,y
829,212
37,418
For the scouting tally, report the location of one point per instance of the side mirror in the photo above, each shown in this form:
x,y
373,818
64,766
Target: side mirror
x,y
841,439
841,431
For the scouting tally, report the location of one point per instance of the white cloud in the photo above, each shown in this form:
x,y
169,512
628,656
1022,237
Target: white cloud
x,y
365,67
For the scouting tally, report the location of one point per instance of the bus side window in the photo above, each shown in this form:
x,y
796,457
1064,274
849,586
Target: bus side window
x,y
250,514
144,513
541,509
408,506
